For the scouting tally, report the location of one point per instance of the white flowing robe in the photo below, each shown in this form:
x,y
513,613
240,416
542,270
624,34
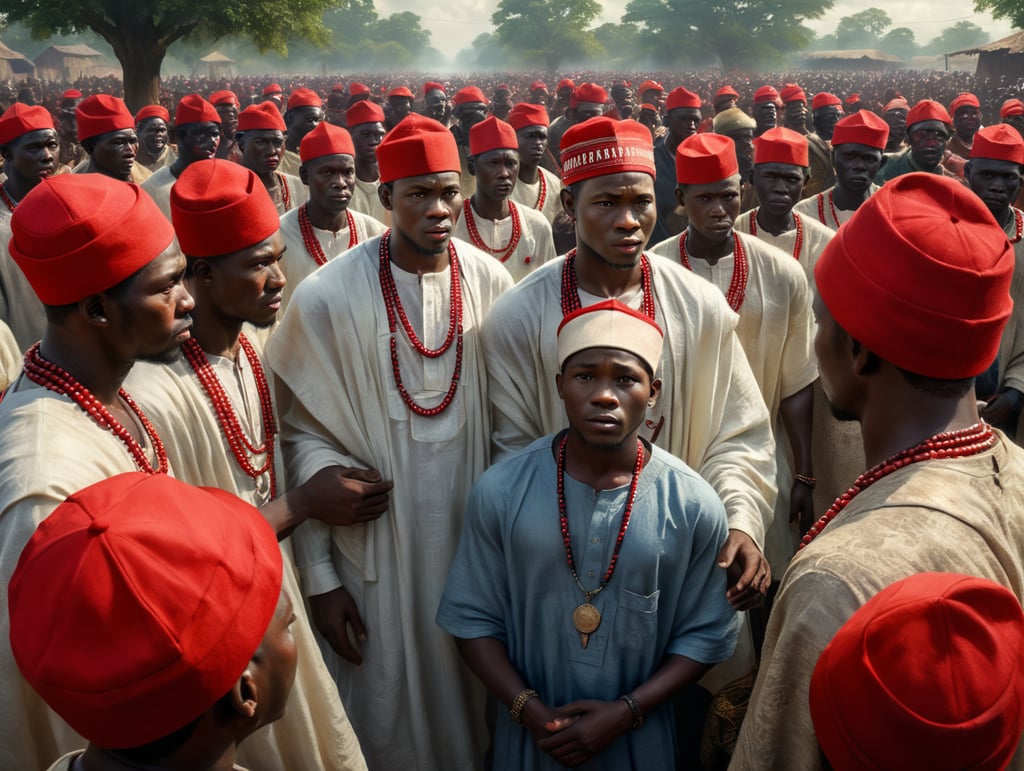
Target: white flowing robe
x,y
10,357
412,701
536,244
529,195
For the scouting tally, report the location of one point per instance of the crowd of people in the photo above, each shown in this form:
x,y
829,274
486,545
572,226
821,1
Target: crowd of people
x,y
496,421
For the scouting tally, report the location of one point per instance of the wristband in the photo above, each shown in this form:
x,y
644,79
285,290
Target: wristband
x,y
519,702
809,481
634,707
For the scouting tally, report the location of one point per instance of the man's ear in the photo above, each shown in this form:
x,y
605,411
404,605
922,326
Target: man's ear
x,y
568,202
94,309
202,272
386,196
655,392
245,695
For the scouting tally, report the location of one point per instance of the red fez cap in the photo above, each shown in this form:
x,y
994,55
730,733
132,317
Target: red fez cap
x,y
272,89
224,97
142,590
326,139
71,93
765,94
525,114
432,85
304,97
781,145
928,109
791,92
825,99
502,87
194,109
492,134
966,99
538,85
899,103
77,235
999,143
928,673
602,146
649,107
152,111
590,92
219,207
355,87
650,85
417,146
861,128
19,119
923,256
469,94
853,99
563,83
724,93
680,97
260,116
1011,107
101,114
364,112
401,91
702,159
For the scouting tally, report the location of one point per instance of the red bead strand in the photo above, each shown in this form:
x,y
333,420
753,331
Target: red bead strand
x,y
738,285
501,252
312,243
571,287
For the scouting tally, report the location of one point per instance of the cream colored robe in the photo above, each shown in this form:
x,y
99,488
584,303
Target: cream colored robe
x,y
366,201
412,701
167,156
958,515
290,163
298,193
536,245
10,357
815,238
159,188
1011,347
20,308
297,262
821,209
315,732
529,195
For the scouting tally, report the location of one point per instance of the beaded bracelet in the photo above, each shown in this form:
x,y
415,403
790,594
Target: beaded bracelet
x,y
519,702
809,481
634,707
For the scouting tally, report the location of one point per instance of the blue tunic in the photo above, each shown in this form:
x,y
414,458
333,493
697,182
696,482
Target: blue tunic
x,y
511,581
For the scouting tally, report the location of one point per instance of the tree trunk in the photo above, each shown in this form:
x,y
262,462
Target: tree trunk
x,y
141,56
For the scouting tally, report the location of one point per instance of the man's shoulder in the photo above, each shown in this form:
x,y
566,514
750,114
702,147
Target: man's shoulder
x,y
476,263
670,276
531,292
534,217
810,222
515,470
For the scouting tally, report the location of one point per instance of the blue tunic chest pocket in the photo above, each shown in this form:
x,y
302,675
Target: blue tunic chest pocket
x,y
638,618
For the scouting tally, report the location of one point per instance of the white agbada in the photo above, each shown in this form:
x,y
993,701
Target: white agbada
x,y
530,195
315,732
814,237
412,701
20,307
536,244
298,263
10,357
366,201
822,208
159,188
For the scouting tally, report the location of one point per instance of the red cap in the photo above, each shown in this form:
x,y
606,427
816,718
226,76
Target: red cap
x,y
999,143
680,97
853,99
966,99
304,97
781,145
928,673
326,139
610,324
272,89
417,146
766,94
71,93
469,94
1011,107
923,257
649,107
928,109
825,99
791,92
224,97
525,114
650,85
260,116
563,83
702,159
725,92
492,134
355,87
401,91
538,85
152,111
77,235
861,128
364,112
141,590
194,109
590,92
432,85
100,114
19,119
219,207
602,146
899,103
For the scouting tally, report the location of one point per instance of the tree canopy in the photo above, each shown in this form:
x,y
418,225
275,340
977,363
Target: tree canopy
x,y
863,29
140,33
743,34
1003,9
962,35
550,30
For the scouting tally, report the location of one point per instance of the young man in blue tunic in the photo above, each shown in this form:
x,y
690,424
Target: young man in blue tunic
x,y
585,591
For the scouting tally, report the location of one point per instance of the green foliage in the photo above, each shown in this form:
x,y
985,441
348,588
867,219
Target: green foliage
x,y
1003,9
743,34
899,41
552,31
862,30
961,36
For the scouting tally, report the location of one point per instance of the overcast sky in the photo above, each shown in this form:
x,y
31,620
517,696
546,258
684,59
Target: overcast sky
x,y
461,21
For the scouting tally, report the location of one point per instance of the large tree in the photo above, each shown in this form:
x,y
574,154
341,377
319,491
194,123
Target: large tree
x,y
863,29
741,35
1003,9
961,36
551,30
141,32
